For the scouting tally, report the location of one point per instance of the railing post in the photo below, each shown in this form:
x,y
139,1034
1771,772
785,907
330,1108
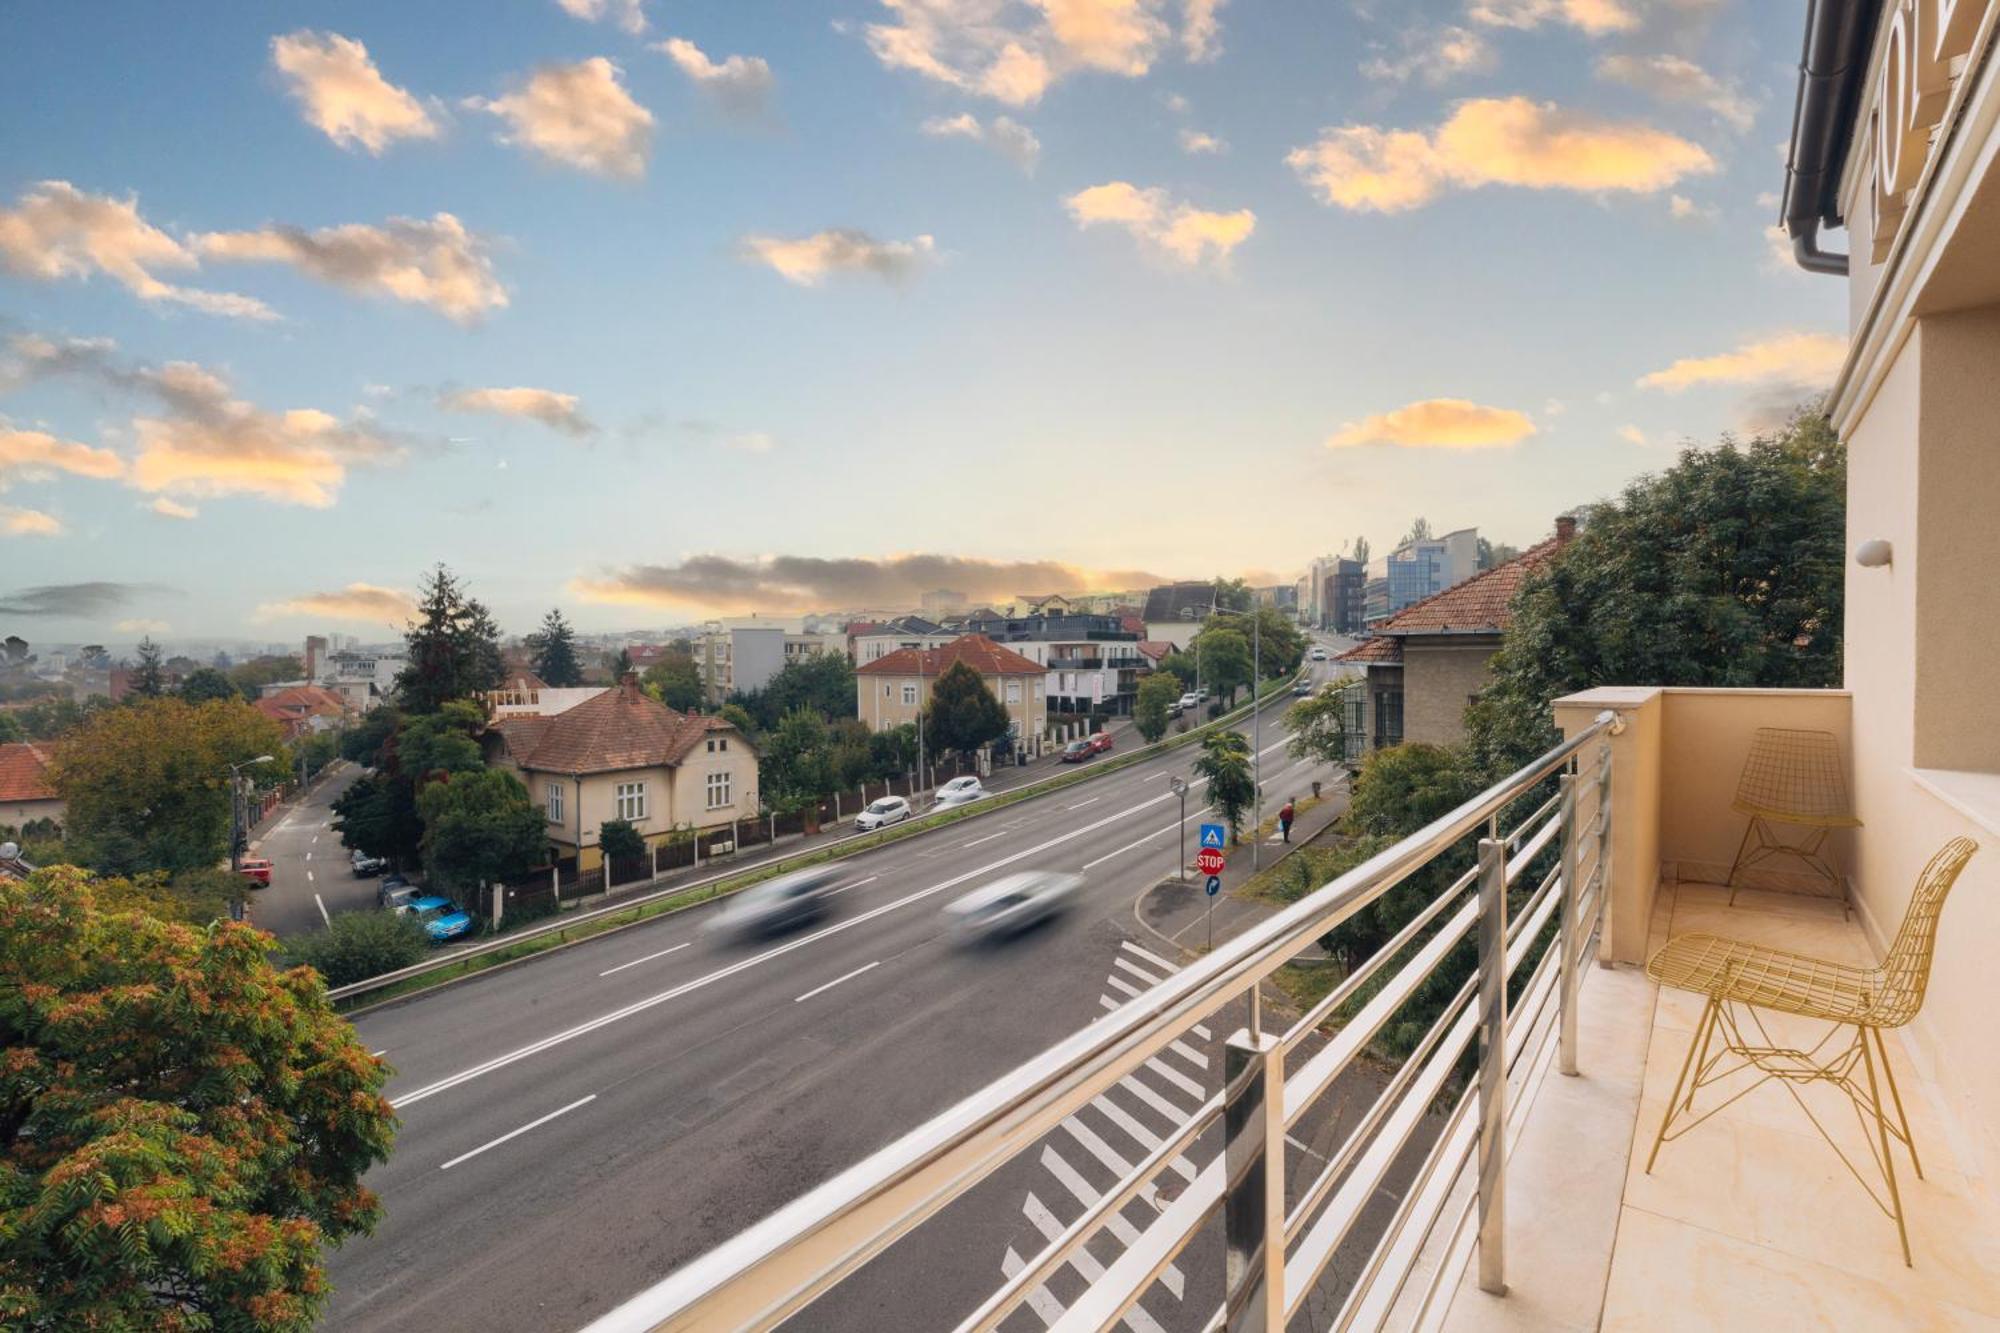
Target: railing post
x,y
1603,835
1492,1066
1567,936
1253,1207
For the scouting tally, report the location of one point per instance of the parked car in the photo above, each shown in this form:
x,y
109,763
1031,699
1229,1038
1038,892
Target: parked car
x,y
960,791
257,870
366,865
1012,904
441,918
888,810
1189,700
1078,751
780,904
1100,742
394,890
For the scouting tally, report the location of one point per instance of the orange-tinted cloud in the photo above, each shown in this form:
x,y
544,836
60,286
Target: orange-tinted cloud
x,y
1805,359
17,522
579,115
739,85
344,96
435,263
1595,17
806,260
629,15
1175,230
357,601
33,455
557,411
1014,54
1438,423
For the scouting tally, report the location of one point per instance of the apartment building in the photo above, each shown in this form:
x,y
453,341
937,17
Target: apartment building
x,y
1418,569
892,690
738,655
1093,662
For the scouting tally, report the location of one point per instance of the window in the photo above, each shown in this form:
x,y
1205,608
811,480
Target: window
x,y
1013,691
555,803
716,743
631,801
718,790
909,694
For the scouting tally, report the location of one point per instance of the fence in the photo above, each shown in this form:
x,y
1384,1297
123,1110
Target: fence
x,y
1518,1002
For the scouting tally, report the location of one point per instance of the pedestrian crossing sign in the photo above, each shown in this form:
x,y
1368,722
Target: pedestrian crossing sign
x,y
1211,835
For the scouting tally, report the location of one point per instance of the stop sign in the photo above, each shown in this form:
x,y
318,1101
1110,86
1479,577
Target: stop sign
x,y
1209,861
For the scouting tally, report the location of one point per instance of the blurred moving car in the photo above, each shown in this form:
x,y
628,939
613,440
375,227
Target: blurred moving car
x,y
441,918
960,791
1078,751
1100,742
1010,905
888,810
780,904
366,865
1319,654
256,869
1302,689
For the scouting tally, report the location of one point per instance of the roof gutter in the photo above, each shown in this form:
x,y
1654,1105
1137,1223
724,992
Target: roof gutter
x,y
1838,36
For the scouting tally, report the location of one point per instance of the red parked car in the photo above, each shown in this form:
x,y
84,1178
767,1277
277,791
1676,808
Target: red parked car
x,y
257,870
1100,742
1078,751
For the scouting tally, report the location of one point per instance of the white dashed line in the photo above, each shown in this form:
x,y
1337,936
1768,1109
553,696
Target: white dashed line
x,y
647,959
516,1133
322,911
836,981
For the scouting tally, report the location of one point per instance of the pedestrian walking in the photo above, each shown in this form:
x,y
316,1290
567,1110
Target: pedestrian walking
x,y
1285,820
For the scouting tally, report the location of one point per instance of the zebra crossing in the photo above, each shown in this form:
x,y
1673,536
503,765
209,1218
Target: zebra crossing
x,y
1101,1144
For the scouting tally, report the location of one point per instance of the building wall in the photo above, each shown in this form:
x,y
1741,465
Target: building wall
x,y
1439,678
16,814
676,796
756,656
880,701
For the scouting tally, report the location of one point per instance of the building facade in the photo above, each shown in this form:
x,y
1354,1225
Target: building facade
x,y
1416,570
891,691
740,655
27,796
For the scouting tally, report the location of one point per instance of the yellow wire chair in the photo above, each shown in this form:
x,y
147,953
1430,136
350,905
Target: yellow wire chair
x,y
1791,777
1749,976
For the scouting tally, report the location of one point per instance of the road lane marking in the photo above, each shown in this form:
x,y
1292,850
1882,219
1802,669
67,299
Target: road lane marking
x,y
1175,1077
1087,1267
989,837
1039,1300
796,999
1080,804
322,911
1088,1194
1138,972
379,1054
315,842
1121,984
309,876
855,885
1188,1053
1130,947
647,959
517,1133
309,856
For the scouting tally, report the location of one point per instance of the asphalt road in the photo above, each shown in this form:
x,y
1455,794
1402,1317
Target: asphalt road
x,y
577,1127
309,870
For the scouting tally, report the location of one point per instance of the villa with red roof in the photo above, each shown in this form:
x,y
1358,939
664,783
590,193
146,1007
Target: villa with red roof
x,y
26,793
893,689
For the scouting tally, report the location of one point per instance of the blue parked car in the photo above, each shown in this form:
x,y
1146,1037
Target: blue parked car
x,y
441,918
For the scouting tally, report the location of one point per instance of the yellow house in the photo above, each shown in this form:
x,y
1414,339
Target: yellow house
x,y
893,689
624,755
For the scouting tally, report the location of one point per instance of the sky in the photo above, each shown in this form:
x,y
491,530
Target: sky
x,y
661,309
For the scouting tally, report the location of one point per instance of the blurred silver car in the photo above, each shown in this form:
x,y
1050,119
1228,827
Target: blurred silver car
x,y
959,791
1011,904
780,904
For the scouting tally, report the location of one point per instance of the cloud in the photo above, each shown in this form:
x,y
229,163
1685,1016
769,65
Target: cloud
x,y
1595,17
145,627
628,14
1201,30
1493,141
1434,56
344,96
1673,79
1013,50
1683,209
1194,142
58,231
1632,435
808,259
18,522
166,508
71,600
740,85
33,455
802,583
557,411
1799,359
1005,136
579,115
357,601
1438,423
437,263
1779,254
1177,231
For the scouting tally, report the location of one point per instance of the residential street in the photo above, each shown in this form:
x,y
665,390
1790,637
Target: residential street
x,y
309,866
575,1128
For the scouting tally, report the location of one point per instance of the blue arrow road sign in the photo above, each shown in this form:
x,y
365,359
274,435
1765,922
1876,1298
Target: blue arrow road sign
x,y
1214,885
1211,835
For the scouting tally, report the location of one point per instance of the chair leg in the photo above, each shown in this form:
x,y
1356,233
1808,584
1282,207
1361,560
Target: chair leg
x,y
1896,1097
1696,1044
1888,1162
1742,845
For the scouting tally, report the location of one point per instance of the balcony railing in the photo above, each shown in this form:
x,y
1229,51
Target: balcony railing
x,y
1521,997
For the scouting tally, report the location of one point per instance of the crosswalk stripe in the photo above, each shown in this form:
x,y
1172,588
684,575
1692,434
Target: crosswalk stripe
x,y
1106,1154
1175,1077
1150,957
1138,972
1039,1300
1119,983
1087,1194
1172,1114
1080,1259
1189,1054
1122,1118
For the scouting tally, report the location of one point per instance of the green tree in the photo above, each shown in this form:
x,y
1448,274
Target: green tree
x,y
854,759
893,751
553,649
617,839
363,742
1181,665
795,764
182,1127
1403,788
1420,531
737,716
1283,644
453,647
1233,594
250,678
479,828
1225,762
1724,570
359,945
824,683
1322,726
148,681
962,714
619,664
1360,552
674,680
1223,656
206,683
377,814
1157,695
10,729
444,742
147,787
1495,553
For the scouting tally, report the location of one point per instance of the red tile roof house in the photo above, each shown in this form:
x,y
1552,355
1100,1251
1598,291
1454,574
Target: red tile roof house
x,y
26,794
301,709
891,690
1427,661
624,755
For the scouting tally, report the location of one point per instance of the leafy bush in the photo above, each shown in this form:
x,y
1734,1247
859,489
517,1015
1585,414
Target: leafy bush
x,y
359,945
620,841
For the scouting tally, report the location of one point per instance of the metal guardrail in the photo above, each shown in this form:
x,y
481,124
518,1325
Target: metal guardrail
x,y
1274,1259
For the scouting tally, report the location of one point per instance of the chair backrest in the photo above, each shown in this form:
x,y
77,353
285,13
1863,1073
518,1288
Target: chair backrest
x,y
1906,972
1795,774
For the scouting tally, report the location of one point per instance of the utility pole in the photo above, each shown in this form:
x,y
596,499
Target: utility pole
x,y
236,821
1180,787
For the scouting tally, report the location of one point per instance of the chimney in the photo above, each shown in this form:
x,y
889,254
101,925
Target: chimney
x,y
1565,528
629,683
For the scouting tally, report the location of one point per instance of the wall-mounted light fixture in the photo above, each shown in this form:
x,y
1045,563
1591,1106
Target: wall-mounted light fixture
x,y
1873,553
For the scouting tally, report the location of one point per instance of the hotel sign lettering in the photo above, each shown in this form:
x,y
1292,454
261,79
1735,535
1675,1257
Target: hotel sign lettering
x,y
1925,45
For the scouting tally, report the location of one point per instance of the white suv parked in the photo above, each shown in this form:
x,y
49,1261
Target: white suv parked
x,y
888,810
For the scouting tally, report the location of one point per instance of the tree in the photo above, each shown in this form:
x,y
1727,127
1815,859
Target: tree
x,y
619,664
182,1127
619,841
1180,664
1157,695
1495,553
737,716
1283,645
554,651
441,743
824,683
1360,552
148,682
1724,570
14,649
795,769
1222,654
453,647
962,715
377,814
147,787
893,751
363,742
1233,594
206,683
250,678
854,760
479,828
358,945
49,719
1323,725
1420,531
1404,787
10,729
674,680
1225,762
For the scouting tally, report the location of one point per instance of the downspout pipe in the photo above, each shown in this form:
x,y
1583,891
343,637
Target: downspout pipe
x,y
1838,36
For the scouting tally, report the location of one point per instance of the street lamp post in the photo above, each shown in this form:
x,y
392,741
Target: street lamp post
x,y
236,809
1180,786
1256,706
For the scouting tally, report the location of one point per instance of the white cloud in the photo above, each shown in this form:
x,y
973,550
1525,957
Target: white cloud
x,y
1683,209
1493,141
33,455
1434,55
344,96
1194,142
806,260
557,411
1201,30
739,85
579,115
1013,50
1595,17
357,601
1175,230
1804,360
1554,407
1673,79
58,231
166,508
18,522
1004,135
1632,435
629,15
1438,423
435,263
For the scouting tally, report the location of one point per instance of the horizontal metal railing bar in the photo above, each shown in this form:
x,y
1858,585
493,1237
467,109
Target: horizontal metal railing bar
x,y
1534,999
1531,926
1359,977
1429,1191
998,1306
1532,849
1456,1144
1512,839
1106,1300
763,1274
1520,919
